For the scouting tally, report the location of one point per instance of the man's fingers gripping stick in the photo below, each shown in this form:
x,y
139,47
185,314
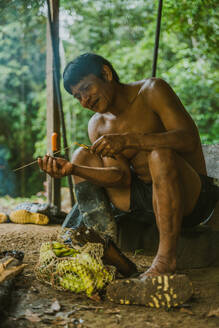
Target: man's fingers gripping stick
x,y
55,167
44,163
40,163
49,167
102,148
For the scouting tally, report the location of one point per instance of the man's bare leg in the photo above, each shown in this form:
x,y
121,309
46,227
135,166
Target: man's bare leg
x,y
119,195
176,187
97,177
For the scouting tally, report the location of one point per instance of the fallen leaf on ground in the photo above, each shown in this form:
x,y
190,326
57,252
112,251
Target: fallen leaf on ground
x,y
49,311
32,317
64,315
28,312
118,318
47,320
185,310
34,290
88,307
112,311
151,324
59,322
37,306
55,307
213,313
95,297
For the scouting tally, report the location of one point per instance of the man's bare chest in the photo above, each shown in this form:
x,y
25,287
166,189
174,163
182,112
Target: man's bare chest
x,y
132,121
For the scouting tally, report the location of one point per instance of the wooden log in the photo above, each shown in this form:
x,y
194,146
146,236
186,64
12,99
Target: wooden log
x,y
9,268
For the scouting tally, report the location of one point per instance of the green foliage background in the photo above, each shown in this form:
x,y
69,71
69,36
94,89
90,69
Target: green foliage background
x,y
122,31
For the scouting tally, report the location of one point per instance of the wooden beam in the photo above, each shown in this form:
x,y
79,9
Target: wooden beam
x,y
53,121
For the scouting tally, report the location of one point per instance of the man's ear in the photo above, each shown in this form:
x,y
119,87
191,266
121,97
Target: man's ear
x,y
107,73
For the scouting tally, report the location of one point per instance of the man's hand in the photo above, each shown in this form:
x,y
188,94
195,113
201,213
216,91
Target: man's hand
x,y
56,167
109,145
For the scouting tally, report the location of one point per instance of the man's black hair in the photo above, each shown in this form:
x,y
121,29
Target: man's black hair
x,y
84,65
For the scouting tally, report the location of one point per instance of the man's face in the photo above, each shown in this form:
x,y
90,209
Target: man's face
x,y
93,93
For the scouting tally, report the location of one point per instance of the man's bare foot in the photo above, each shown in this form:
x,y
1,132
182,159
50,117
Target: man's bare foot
x,y
161,265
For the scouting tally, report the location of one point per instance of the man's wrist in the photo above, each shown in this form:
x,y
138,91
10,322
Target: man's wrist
x,y
71,169
133,140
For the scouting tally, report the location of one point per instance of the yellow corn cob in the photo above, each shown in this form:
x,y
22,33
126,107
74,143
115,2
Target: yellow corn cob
x,y
56,244
46,255
3,218
74,266
23,217
45,247
72,282
64,252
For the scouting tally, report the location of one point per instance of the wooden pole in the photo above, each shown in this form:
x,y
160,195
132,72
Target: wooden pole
x,y
157,37
53,121
56,74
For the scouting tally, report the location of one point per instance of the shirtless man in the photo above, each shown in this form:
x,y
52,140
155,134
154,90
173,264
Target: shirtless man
x,y
139,128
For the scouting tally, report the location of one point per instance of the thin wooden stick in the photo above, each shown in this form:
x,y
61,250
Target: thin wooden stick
x,y
82,145
58,151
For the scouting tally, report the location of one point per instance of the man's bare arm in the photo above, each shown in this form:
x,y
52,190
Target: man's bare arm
x,y
178,140
181,132
104,176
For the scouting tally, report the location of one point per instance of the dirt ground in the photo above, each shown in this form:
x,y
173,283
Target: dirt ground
x,y
34,304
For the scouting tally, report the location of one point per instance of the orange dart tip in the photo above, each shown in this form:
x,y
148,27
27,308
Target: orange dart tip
x,y
54,141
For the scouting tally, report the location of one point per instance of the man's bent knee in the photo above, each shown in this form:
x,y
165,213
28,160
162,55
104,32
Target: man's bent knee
x,y
162,155
84,157
163,162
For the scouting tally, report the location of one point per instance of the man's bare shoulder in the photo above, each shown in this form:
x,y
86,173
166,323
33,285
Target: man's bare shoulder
x,y
94,126
148,87
158,95
152,84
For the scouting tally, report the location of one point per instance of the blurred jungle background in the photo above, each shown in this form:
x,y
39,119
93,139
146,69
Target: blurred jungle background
x,y
123,31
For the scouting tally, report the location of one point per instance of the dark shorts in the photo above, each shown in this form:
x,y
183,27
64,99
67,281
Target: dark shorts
x,y
141,208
